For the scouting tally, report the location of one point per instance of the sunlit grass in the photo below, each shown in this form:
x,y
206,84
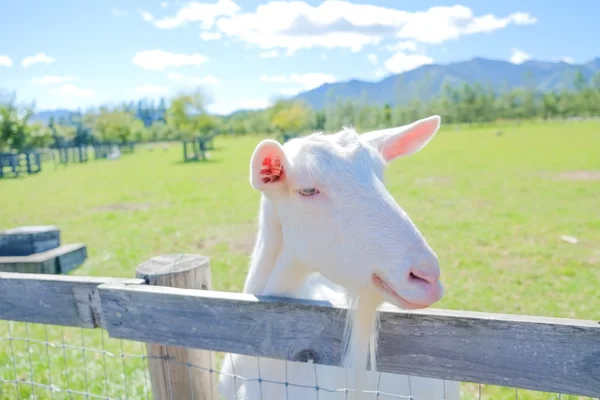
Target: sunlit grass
x,y
493,208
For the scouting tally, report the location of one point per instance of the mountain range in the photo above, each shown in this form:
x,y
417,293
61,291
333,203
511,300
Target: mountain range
x,y
427,82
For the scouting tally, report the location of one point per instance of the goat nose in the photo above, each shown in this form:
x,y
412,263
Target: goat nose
x,y
426,276
426,269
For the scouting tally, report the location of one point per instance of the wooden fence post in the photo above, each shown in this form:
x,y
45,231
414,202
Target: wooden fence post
x,y
171,375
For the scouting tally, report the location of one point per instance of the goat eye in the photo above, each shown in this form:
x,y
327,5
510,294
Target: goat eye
x,y
308,192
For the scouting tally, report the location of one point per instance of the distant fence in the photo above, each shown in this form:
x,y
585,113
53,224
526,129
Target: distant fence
x,y
18,163
70,154
195,149
105,149
54,351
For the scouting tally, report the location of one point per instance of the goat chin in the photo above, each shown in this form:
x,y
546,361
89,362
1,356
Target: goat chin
x,y
310,381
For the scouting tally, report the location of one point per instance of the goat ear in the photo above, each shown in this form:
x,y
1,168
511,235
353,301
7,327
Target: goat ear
x,y
268,165
404,140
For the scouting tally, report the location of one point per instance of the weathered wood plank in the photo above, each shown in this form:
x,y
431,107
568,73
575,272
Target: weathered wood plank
x,y
28,268
53,299
186,271
59,260
46,255
27,240
70,260
543,354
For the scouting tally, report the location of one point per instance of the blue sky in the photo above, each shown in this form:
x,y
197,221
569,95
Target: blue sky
x,y
81,53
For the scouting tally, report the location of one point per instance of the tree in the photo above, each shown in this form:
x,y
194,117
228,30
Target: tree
x,y
188,116
63,133
40,136
115,125
160,131
387,114
138,131
290,116
14,120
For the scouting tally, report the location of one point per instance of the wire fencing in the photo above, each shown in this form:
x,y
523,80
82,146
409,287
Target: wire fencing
x,y
53,362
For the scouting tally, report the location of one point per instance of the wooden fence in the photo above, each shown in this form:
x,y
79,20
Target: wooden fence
x,y
19,163
171,308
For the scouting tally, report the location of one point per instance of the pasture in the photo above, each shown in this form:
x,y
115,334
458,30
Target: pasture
x,y
492,207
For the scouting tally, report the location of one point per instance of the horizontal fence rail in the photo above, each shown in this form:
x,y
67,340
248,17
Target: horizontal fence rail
x,y
545,354
54,299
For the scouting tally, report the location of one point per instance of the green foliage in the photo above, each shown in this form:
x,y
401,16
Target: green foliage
x,y
289,116
115,126
138,131
40,136
471,104
14,129
67,132
161,131
188,116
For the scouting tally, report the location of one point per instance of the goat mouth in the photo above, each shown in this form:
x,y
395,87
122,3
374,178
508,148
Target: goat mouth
x,y
400,301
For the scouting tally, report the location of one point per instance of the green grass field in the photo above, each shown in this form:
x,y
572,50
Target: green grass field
x,y
493,208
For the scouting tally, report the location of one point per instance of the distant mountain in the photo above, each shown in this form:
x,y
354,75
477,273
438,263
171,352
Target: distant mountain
x,y
146,112
427,81
59,114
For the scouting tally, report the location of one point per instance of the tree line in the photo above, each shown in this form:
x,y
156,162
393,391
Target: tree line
x,y
185,116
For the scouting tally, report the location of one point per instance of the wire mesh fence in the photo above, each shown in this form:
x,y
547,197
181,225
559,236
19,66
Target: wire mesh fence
x,y
52,362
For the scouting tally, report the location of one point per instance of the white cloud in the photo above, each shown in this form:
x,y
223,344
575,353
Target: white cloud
x,y
208,80
269,54
519,56
402,62
71,90
158,60
341,24
309,80
117,12
274,78
521,18
372,58
403,45
205,13
227,107
5,61
211,35
37,58
51,80
148,17
164,4
488,23
380,73
290,91
152,90
253,104
568,60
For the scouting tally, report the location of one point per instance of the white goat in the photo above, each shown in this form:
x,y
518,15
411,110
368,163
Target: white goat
x,y
330,230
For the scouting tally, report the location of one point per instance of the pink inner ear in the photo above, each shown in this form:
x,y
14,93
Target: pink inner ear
x,y
409,142
271,170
